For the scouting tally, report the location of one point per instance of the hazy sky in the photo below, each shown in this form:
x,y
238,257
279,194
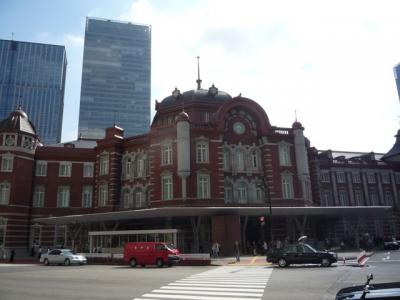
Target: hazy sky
x,y
331,61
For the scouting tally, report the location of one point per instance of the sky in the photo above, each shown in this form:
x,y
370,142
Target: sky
x,y
331,62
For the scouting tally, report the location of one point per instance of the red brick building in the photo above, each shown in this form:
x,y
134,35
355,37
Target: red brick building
x,y
209,168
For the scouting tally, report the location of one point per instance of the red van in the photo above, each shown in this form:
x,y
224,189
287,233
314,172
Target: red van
x,y
150,253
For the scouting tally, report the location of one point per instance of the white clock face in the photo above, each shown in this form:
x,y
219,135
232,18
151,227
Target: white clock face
x,y
239,128
9,141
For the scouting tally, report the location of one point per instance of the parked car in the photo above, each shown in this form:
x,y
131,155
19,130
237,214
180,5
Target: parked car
x,y
62,256
377,291
301,254
392,245
150,253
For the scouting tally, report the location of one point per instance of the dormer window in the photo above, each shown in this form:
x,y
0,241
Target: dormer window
x,y
27,142
213,90
176,93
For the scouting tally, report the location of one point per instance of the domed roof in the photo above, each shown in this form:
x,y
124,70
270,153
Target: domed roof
x,y
17,121
212,95
297,125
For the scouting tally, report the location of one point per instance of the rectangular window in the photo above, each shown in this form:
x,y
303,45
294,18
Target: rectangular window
x,y
203,186
284,155
327,198
397,178
139,199
63,196
103,195
388,198
259,194
38,196
4,193
356,177
371,178
88,170
342,198
41,168
374,198
166,155
358,197
87,192
6,163
167,187
228,195
325,176
202,152
140,168
287,186
341,178
385,178
65,169
104,164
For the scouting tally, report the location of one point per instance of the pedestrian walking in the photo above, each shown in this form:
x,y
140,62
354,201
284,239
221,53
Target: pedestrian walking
x,y
39,252
265,247
236,249
12,255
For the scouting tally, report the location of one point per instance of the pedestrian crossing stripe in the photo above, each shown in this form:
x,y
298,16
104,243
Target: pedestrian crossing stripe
x,y
223,283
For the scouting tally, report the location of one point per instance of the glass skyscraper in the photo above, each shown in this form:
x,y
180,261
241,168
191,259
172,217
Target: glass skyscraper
x,y
115,78
396,70
32,76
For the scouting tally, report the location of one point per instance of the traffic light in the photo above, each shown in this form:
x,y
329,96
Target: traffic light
x,y
262,220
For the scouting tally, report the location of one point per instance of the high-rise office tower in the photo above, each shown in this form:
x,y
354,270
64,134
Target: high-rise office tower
x,y
32,76
115,78
396,70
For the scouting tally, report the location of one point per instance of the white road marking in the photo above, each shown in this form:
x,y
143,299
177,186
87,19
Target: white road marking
x,y
223,283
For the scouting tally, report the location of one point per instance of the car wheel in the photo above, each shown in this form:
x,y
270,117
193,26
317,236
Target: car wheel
x,y
67,262
160,263
46,262
325,262
133,263
282,263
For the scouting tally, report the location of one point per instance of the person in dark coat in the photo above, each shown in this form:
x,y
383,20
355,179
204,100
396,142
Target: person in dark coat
x,y
12,255
236,250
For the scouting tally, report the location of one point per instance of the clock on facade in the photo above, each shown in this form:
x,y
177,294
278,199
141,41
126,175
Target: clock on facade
x,y
9,140
239,128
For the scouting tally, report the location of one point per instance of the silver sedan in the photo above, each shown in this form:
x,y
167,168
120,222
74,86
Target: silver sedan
x,y
62,256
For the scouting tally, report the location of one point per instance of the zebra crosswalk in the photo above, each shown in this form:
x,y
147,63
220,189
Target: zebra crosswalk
x,y
223,283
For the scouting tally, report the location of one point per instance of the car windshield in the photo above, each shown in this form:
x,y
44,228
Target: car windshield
x,y
308,248
170,246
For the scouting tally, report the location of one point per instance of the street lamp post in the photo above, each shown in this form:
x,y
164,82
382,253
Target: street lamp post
x,y
269,204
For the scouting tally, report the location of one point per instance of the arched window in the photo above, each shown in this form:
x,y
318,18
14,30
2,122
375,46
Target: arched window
x,y
126,167
166,187
242,192
141,166
126,198
103,195
227,159
258,193
240,160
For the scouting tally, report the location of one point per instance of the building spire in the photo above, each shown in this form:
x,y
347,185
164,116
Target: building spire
x,y
295,115
198,73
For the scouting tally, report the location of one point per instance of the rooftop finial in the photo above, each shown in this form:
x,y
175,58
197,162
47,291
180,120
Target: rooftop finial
x,y
295,115
198,73
12,36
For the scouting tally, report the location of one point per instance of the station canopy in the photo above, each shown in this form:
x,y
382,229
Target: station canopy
x,y
162,212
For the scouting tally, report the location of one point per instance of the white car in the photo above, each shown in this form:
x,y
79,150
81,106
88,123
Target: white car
x,y
62,256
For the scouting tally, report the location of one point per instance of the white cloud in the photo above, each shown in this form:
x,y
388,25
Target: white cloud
x,y
74,40
329,60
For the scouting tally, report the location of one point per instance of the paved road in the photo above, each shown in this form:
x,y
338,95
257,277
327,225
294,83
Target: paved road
x,y
234,281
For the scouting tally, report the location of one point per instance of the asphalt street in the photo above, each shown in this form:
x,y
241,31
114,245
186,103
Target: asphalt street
x,y
233,281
